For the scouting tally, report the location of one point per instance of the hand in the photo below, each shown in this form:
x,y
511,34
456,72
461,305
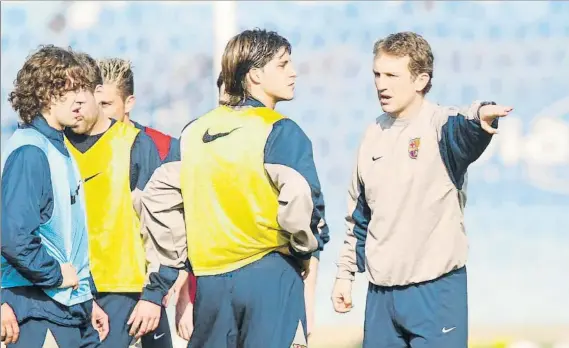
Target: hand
x,y
70,279
305,267
185,314
100,321
10,328
342,295
304,264
175,289
488,113
144,318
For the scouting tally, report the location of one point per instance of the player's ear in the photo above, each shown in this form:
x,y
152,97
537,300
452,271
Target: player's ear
x,y
255,75
421,81
129,103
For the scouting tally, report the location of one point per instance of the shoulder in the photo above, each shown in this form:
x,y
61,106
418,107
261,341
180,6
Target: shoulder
x,y
28,153
286,130
143,140
162,141
124,131
25,159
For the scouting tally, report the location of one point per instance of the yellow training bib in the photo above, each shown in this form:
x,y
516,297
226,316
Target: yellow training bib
x,y
116,252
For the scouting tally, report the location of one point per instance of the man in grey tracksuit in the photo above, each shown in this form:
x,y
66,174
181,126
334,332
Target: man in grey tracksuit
x,y
406,200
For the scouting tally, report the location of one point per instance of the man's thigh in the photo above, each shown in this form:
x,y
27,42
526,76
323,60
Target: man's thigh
x,y
214,319
42,333
269,300
118,307
435,313
380,328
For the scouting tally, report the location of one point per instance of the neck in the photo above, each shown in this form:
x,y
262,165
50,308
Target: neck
x,y
127,120
411,110
51,120
102,124
265,99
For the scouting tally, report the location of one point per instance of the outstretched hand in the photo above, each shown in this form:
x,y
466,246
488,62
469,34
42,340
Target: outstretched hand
x,y
488,113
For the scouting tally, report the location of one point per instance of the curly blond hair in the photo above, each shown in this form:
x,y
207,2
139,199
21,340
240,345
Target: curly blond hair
x,y
48,73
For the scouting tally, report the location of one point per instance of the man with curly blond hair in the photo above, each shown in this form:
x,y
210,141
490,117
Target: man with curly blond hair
x,y
46,281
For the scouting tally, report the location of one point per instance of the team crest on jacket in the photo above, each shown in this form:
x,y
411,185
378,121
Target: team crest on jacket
x,y
414,145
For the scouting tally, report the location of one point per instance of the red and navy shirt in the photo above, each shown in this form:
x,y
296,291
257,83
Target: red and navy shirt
x,y
168,147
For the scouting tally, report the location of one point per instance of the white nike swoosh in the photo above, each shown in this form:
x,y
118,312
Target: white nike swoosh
x,y
445,330
158,337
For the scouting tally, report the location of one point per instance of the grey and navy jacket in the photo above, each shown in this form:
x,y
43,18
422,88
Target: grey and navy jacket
x,y
407,196
287,148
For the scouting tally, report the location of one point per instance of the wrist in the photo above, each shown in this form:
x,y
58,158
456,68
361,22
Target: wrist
x,y
345,274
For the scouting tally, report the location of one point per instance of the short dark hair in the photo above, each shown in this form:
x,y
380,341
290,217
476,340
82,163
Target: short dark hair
x,y
91,69
247,50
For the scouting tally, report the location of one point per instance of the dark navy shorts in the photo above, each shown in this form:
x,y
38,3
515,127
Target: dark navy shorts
x,y
433,314
34,333
258,305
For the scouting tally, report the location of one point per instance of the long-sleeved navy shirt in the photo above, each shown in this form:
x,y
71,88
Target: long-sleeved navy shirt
x,y
27,202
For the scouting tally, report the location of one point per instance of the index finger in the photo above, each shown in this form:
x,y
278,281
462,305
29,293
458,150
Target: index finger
x,y
504,111
135,325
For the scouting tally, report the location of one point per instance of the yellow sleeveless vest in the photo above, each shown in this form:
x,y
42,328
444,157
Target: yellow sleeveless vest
x,y
230,205
116,252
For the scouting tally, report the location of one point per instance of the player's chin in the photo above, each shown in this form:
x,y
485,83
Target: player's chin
x,y
388,108
287,96
78,128
72,123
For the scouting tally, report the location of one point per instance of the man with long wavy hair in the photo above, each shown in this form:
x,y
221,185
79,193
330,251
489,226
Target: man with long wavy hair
x,y
247,187
46,280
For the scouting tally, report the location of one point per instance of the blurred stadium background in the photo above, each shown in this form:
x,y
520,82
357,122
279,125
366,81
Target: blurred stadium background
x,y
516,53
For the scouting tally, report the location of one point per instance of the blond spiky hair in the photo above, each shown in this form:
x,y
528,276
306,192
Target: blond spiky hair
x,y
119,72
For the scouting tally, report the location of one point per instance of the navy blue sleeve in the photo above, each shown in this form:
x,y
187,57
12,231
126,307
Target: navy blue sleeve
x,y
144,159
361,217
174,153
289,146
27,202
461,143
159,284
